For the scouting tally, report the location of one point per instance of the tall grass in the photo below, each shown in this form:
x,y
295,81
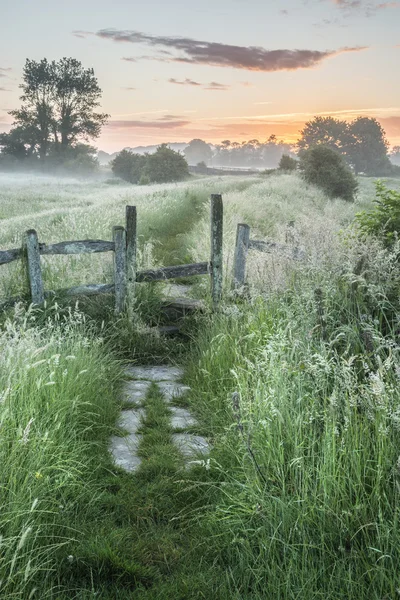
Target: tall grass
x,y
306,504
58,403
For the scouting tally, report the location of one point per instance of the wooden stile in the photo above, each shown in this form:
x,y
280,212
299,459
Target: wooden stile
x,y
216,248
34,268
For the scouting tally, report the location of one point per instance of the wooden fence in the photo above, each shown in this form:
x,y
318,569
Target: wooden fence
x,y
126,275
244,244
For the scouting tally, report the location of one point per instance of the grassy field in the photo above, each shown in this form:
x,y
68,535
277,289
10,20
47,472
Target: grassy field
x,y
295,382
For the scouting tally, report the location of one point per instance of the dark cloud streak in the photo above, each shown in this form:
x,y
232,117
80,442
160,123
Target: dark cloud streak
x,y
252,58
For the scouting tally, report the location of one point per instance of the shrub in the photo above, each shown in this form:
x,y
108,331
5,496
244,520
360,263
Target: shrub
x,y
384,220
163,166
287,163
128,166
166,165
325,168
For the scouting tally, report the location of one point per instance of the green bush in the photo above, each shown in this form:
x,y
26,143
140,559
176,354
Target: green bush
x,y
287,163
384,220
166,165
163,166
326,169
128,166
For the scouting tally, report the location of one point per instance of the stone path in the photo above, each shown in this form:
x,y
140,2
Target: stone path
x,y
124,449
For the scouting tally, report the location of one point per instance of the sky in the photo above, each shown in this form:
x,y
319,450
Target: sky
x,y
214,69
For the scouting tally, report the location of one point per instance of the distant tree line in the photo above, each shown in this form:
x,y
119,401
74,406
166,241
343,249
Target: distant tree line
x,y
250,154
57,116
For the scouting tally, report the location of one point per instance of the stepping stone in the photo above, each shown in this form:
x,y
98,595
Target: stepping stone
x,y
191,445
124,452
155,373
172,390
181,418
130,420
174,290
135,391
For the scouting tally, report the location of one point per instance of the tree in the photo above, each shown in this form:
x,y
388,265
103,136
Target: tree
x,y
328,131
362,142
58,105
287,163
368,148
36,114
129,166
162,166
198,151
166,165
325,168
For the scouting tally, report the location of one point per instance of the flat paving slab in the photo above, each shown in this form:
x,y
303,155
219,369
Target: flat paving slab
x,y
130,420
124,451
181,418
175,290
135,391
191,445
154,373
171,390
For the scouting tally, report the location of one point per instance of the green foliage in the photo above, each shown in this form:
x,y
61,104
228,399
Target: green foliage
x,y
128,166
384,220
166,165
325,168
287,163
58,110
361,142
198,151
162,166
57,410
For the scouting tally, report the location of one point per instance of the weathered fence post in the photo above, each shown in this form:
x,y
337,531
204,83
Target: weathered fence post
x,y
131,250
239,261
34,268
119,238
216,247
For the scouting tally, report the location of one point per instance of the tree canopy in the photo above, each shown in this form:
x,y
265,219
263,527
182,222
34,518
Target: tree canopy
x,y
162,166
198,151
361,142
58,110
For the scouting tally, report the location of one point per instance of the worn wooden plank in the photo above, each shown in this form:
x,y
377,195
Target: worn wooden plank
x,y
131,242
77,247
34,268
131,252
7,256
172,272
216,247
239,261
120,280
271,247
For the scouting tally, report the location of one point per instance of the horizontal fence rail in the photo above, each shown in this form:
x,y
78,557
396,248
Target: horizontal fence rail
x,y
244,244
124,247
173,272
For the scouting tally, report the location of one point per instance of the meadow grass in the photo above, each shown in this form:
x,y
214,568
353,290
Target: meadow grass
x,y
295,383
